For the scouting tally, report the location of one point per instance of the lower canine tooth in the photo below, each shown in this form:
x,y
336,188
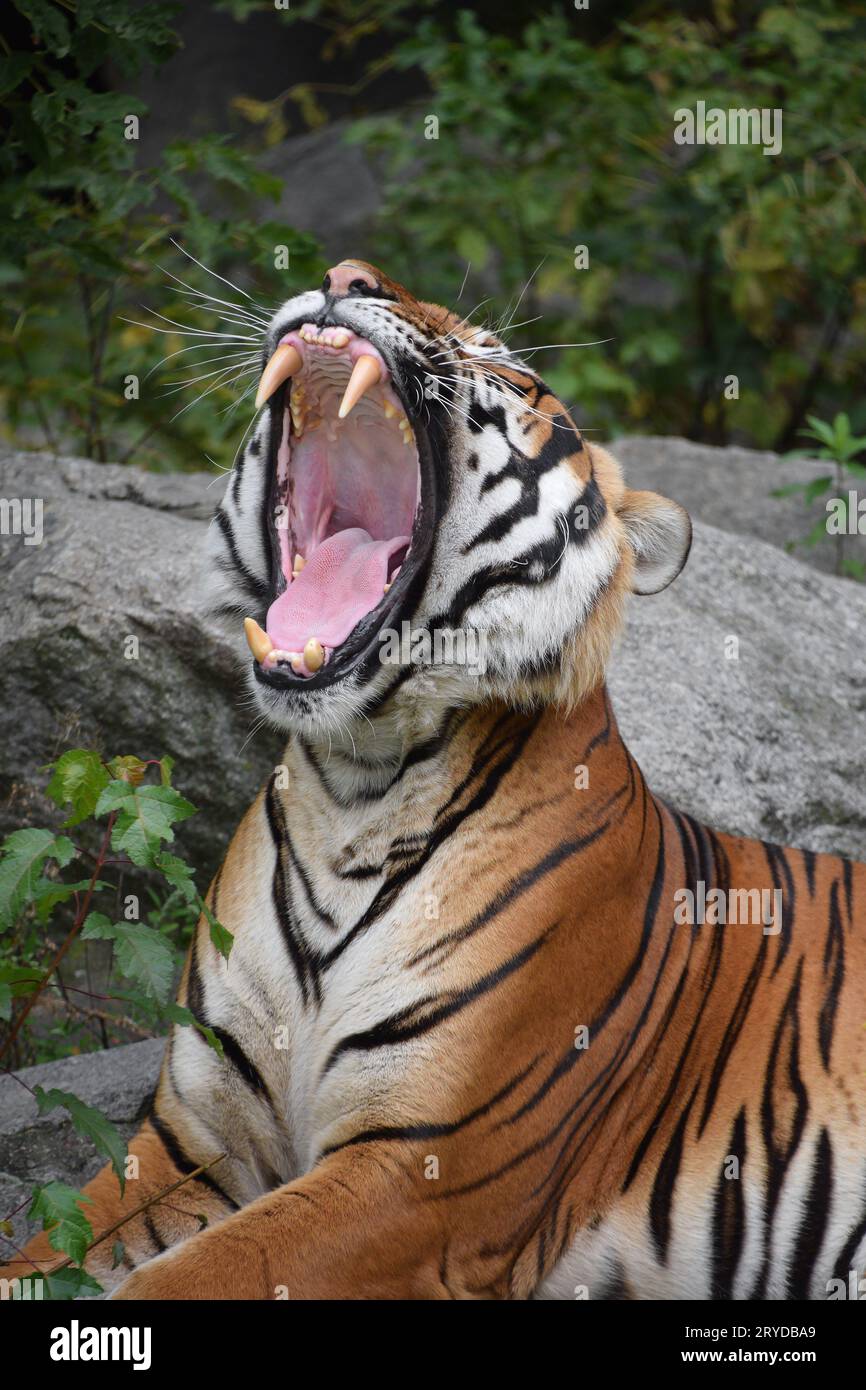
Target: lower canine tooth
x,y
314,654
259,642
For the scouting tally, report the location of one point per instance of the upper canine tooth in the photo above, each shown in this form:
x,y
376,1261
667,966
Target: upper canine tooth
x,y
365,374
260,643
299,563
389,409
283,364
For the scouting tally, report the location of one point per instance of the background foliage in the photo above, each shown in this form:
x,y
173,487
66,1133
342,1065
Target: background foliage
x,y
555,130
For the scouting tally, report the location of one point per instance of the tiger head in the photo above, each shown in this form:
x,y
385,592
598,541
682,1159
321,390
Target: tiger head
x,y
416,519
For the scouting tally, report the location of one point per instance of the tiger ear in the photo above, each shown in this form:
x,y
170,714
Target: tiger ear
x,y
660,535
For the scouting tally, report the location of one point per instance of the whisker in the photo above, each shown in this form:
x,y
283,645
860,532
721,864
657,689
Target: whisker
x,y
208,271
245,361
178,331
213,387
205,376
263,317
193,347
203,332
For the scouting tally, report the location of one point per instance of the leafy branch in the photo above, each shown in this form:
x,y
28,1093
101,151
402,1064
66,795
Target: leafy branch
x,y
40,892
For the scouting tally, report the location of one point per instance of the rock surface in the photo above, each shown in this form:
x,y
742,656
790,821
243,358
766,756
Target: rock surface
x,y
732,488
121,557
36,1149
741,690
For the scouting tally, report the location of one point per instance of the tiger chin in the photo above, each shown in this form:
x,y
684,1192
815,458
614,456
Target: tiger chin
x,y
471,1048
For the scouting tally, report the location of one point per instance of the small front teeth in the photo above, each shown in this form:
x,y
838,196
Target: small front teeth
x,y
325,337
307,662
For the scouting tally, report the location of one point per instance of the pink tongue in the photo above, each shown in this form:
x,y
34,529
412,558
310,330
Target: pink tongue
x,y
343,579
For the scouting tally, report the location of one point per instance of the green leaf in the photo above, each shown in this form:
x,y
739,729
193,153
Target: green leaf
x,y
176,1013
142,954
220,936
818,532
79,780
117,1253
855,568
5,1000
67,1283
58,1208
21,979
179,874
49,24
13,69
89,1122
49,892
789,490
145,816
816,487
128,769
23,854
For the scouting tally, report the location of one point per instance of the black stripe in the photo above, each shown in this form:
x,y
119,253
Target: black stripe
x,y
847,877
834,964
394,884
155,1237
419,1018
845,1262
814,1227
255,587
732,1033
662,1196
782,878
573,1055
729,1216
508,895
183,1164
785,1072
809,858
242,1063
433,1130
281,898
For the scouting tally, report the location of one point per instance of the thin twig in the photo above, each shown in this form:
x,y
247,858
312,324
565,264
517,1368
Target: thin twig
x,y
143,1206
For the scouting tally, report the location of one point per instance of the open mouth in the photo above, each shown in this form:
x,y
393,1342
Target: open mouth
x,y
345,503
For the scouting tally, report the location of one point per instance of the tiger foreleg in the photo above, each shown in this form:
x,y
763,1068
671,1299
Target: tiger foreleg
x,y
351,1228
157,1210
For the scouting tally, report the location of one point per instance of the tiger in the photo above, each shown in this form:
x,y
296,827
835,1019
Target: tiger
x,y
470,1044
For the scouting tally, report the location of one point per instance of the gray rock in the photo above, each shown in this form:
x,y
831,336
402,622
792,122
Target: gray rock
x,y
121,556
772,741
317,169
731,488
36,1149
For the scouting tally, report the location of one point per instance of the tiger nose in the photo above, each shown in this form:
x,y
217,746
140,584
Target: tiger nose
x,y
346,278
